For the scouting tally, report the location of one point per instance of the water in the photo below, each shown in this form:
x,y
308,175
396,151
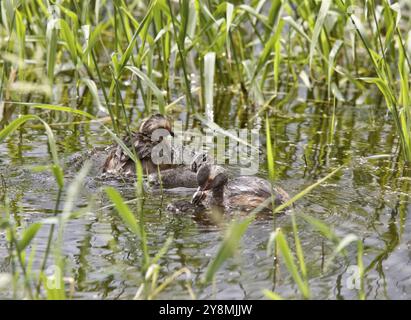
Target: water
x,y
368,198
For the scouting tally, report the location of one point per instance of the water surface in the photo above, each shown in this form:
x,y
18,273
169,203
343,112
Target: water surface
x,y
368,198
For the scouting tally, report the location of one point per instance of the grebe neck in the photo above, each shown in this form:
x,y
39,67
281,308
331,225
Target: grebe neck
x,y
218,195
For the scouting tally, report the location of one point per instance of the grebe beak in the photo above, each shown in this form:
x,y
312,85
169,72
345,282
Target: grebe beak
x,y
198,196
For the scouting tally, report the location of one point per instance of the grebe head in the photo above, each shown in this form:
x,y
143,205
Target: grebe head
x,y
209,177
199,160
154,122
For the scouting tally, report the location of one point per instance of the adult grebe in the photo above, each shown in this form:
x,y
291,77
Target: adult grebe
x,y
244,193
118,162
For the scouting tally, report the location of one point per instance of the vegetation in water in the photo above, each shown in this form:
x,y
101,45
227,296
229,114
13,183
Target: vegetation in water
x,y
69,67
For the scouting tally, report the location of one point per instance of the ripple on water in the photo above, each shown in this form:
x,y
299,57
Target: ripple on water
x,y
367,198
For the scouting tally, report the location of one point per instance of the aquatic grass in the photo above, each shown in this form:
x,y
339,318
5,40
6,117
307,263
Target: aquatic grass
x,y
322,14
141,28
361,271
21,35
180,41
264,59
333,53
91,85
233,235
19,244
299,274
49,243
302,193
56,168
14,245
397,103
295,198
300,255
272,295
215,127
195,23
331,131
209,66
270,151
52,37
157,92
124,211
270,159
287,255
340,246
277,239
27,235
199,24
31,231
263,53
16,123
150,268
57,290
156,290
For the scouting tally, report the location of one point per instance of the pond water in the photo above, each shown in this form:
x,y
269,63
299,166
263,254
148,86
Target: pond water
x,y
368,198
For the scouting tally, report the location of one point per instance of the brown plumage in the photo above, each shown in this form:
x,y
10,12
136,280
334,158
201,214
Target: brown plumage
x,y
243,193
118,162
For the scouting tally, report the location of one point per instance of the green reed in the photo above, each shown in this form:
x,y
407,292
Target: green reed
x,y
263,51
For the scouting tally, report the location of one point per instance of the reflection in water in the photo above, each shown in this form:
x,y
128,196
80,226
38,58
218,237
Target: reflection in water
x,y
368,198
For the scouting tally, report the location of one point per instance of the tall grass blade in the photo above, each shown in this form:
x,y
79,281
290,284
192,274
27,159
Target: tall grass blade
x,y
227,248
272,295
68,36
360,264
299,250
270,151
123,210
209,65
290,263
28,235
325,5
333,53
157,92
305,191
94,92
52,37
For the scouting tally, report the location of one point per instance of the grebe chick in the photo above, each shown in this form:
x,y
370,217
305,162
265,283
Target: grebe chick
x,y
184,206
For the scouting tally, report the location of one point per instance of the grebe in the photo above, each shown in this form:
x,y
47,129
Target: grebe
x,y
243,193
118,162
168,175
